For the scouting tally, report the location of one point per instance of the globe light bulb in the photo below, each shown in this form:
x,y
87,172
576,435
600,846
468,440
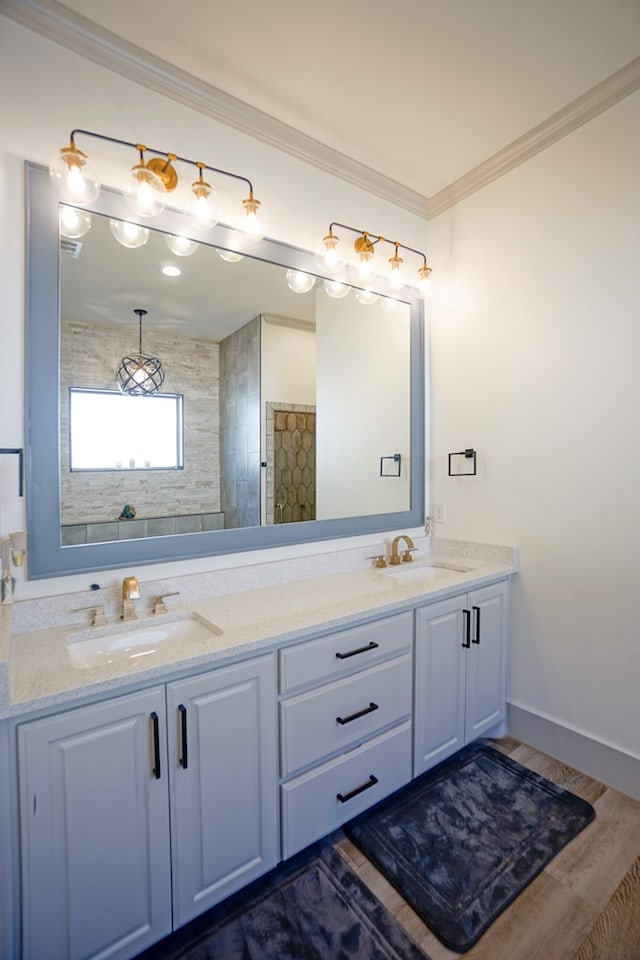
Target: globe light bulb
x,y
73,176
389,304
145,192
329,256
300,282
397,276
181,246
74,223
424,281
230,256
366,297
253,222
335,289
201,205
129,234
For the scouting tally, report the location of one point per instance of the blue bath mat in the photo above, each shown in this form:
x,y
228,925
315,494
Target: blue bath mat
x,y
463,840
313,907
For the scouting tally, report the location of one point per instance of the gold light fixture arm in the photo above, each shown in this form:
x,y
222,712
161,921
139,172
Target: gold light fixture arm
x,y
161,164
365,243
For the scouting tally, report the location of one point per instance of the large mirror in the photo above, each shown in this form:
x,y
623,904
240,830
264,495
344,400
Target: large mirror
x,y
283,416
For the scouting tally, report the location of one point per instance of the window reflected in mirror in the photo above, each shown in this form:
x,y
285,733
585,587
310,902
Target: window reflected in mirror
x,y
109,431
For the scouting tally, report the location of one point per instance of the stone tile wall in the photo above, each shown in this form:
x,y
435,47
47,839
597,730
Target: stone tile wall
x,y
89,356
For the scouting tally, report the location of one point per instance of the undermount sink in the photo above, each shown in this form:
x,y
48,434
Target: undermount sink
x,y
425,570
130,641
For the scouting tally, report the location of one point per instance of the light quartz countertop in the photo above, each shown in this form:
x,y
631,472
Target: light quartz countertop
x,y
37,674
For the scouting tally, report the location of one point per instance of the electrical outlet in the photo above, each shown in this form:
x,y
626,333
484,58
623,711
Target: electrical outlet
x,y
439,513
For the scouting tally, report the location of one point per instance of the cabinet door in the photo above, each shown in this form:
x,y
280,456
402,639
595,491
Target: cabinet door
x,y
96,875
487,661
440,677
222,757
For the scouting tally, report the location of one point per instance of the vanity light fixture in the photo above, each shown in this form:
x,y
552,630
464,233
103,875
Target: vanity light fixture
x,y
335,289
148,183
181,246
171,270
74,223
230,256
130,235
139,376
331,259
300,282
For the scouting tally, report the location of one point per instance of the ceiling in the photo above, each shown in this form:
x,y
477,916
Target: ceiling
x,y
419,92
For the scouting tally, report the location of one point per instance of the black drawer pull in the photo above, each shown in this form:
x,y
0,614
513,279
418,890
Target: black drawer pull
x,y
343,797
467,628
476,639
182,710
354,653
361,713
155,770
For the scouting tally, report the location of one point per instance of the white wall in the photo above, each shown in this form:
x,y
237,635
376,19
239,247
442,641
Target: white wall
x,y
535,355
362,385
48,91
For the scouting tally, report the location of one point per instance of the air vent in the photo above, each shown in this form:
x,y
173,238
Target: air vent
x,y
70,248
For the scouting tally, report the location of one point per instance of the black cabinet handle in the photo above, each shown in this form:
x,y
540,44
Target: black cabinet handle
x,y
467,628
354,653
182,710
361,713
155,770
343,797
476,639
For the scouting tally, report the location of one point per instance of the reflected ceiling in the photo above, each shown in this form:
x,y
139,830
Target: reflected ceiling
x,y
105,282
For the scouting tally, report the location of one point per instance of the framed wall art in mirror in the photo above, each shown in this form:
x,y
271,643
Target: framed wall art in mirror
x,y
289,396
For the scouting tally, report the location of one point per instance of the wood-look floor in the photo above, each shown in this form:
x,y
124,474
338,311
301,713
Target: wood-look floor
x,y
585,905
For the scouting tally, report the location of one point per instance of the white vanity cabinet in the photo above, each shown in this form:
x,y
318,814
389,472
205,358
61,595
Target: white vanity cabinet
x,y
345,725
460,672
94,817
222,770
142,811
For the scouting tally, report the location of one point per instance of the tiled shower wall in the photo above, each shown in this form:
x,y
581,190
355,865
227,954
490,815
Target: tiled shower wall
x,y
240,426
89,356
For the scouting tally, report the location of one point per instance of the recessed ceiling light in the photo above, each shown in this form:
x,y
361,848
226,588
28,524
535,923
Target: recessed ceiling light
x,y
170,270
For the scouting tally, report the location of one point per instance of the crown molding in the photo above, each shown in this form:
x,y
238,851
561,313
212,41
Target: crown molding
x,y
58,23
595,101
62,25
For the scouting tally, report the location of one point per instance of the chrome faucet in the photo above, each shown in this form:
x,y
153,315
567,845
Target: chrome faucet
x,y
130,592
406,554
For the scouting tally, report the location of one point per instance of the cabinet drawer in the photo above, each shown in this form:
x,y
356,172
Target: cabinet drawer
x,y
345,652
311,807
338,715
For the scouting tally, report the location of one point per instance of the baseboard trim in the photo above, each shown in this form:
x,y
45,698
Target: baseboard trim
x,y
613,767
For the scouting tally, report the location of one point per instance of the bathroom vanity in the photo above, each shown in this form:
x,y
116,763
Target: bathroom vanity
x,y
152,787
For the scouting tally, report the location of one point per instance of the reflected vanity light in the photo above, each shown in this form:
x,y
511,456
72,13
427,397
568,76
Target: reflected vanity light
x,y
300,282
149,181
181,246
331,260
130,235
366,297
229,256
74,223
170,270
335,289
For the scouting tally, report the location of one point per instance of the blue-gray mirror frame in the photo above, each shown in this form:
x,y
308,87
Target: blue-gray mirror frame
x,y
47,558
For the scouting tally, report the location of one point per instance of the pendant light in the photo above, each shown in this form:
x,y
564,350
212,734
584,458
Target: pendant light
x,y
139,376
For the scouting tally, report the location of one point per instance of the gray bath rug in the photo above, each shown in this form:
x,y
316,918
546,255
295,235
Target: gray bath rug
x,y
313,907
463,840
